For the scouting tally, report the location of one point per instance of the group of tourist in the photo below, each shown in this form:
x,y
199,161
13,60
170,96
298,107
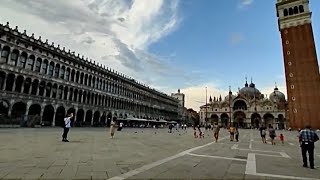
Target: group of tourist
x,y
307,137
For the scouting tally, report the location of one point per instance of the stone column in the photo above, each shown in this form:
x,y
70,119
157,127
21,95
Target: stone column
x,y
38,89
41,113
14,84
54,118
84,115
92,117
4,82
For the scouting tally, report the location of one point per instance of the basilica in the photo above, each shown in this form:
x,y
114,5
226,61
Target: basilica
x,y
247,109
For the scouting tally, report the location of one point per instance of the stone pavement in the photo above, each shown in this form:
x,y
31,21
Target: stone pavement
x,y
147,154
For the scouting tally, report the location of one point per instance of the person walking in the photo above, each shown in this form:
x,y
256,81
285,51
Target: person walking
x,y
216,131
112,128
236,133
307,138
263,134
231,131
67,125
272,134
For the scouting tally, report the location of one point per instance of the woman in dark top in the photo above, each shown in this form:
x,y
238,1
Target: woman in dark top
x,y
272,134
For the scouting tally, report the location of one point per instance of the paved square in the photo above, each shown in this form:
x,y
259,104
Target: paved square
x,y
147,154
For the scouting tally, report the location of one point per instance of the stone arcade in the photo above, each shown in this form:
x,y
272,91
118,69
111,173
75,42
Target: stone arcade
x,y
43,81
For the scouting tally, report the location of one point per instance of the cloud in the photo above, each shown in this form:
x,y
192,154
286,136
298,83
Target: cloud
x,y
245,3
236,38
114,33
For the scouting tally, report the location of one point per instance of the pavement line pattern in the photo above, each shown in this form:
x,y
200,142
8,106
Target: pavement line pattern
x,y
291,144
251,169
251,140
157,163
217,157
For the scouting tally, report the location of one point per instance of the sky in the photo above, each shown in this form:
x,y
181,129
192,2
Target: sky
x,y
168,44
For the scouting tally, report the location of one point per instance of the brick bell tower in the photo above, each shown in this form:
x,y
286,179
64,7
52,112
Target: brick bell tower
x,y
300,62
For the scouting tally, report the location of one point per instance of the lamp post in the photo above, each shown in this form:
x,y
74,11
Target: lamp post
x,y
206,109
229,107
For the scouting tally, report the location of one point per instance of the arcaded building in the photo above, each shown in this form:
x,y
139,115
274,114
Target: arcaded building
x,y
42,82
247,109
300,62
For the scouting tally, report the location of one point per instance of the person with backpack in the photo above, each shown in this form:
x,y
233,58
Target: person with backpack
x,y
263,134
307,138
272,135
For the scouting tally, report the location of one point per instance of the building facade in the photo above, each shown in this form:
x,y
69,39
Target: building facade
x,y
44,82
300,62
182,111
248,109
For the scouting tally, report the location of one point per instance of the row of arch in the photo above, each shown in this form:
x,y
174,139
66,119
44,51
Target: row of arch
x,y
294,10
239,117
30,86
49,115
43,66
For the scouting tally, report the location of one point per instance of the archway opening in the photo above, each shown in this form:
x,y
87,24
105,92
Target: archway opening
x,y
239,118
34,115
268,119
4,109
88,118
10,82
103,119
2,79
109,117
240,105
224,119
47,117
281,121
19,82
60,114
96,118
27,85
256,120
18,113
214,119
80,117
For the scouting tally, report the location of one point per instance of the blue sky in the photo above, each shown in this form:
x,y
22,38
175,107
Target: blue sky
x,y
168,44
225,43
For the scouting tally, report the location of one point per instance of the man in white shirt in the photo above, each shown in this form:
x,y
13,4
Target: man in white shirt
x,y
67,123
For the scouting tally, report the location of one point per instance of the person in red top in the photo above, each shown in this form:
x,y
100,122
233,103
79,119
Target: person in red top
x,y
281,137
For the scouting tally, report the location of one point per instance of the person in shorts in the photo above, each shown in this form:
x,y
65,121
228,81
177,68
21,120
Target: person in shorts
x,y
216,132
272,134
263,134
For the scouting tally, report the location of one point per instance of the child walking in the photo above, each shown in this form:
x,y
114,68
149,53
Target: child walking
x,y
281,138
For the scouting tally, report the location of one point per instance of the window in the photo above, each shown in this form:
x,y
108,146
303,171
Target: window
x,y
287,42
67,74
38,65
44,67
290,11
51,67
56,71
14,57
295,110
295,10
292,86
291,74
285,12
5,54
288,52
289,63
293,98
22,60
301,9
62,72
30,62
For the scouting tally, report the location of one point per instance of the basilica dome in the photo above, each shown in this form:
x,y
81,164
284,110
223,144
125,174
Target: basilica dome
x,y
277,96
250,91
